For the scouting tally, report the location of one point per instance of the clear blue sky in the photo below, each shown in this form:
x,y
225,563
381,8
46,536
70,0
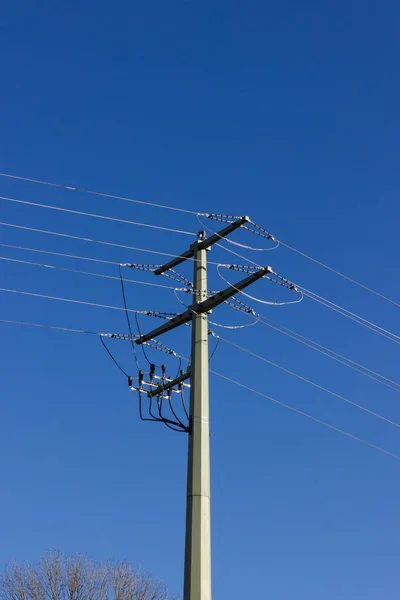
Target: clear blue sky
x,y
285,111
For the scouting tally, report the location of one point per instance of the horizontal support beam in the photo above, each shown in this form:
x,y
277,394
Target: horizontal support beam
x,y
169,384
220,297
213,239
202,245
205,306
174,262
175,322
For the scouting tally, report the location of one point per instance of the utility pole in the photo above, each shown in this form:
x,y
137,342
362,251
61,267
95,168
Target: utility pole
x,y
197,575
197,578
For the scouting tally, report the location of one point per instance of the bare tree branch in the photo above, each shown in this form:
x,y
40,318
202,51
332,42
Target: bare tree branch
x,y
14,583
60,577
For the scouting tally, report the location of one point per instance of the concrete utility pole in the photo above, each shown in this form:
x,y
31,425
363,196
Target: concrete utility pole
x,y
197,581
197,578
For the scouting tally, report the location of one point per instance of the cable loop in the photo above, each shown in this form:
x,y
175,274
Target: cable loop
x,y
258,299
232,327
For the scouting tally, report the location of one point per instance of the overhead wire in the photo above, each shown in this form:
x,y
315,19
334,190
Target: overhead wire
x,y
328,304
118,336
270,303
102,275
24,293
310,382
198,214
69,329
350,315
94,193
141,345
290,333
214,349
340,358
110,354
120,278
313,296
325,266
243,386
136,320
304,414
254,322
281,243
237,254
94,215
84,239
310,294
226,239
128,319
50,252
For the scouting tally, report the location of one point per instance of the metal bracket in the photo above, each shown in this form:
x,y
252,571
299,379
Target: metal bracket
x,y
169,384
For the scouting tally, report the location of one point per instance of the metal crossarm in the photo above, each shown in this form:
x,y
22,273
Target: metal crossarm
x,y
220,297
169,384
205,306
202,245
175,322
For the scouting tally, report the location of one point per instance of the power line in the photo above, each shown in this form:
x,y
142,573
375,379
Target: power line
x,y
127,318
58,268
285,303
272,324
374,375
328,304
102,275
350,315
320,387
173,208
268,235
227,379
111,355
321,264
319,299
84,239
96,216
174,289
268,322
86,191
108,262
50,327
139,312
303,414
115,336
